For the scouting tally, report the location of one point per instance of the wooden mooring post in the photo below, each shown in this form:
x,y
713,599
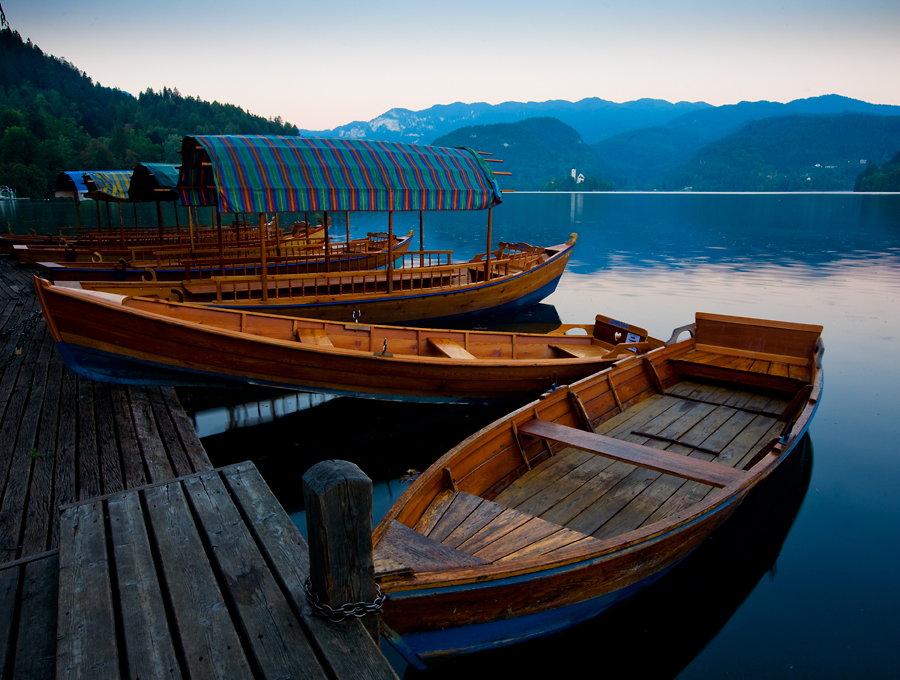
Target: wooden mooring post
x,y
337,496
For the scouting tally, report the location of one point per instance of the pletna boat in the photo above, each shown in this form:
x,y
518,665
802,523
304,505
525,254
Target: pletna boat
x,y
115,338
581,498
186,263
236,174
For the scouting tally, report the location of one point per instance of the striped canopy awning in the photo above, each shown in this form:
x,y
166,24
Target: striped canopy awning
x,y
257,173
108,185
154,182
70,184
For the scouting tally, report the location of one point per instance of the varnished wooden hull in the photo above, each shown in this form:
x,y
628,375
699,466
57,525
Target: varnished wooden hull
x,y
154,342
434,305
111,271
481,552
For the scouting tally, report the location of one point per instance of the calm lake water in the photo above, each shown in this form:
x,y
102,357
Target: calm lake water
x,y
803,582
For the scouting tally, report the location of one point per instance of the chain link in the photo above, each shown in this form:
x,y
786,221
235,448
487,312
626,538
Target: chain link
x,y
345,611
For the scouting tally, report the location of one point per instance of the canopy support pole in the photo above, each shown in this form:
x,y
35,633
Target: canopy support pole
x,y
487,256
177,225
191,229
121,224
277,236
421,238
390,262
327,241
221,245
108,217
159,220
99,224
264,278
347,220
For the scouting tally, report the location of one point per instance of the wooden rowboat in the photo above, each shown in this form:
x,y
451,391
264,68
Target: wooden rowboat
x,y
114,338
519,275
174,264
581,498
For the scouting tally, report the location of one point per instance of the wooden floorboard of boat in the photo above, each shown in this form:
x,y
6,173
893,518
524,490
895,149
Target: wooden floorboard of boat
x,y
596,496
490,532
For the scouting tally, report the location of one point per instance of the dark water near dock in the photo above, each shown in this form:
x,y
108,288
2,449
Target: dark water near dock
x,y
803,582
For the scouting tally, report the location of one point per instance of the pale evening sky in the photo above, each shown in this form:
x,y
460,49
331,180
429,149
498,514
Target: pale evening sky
x,y
326,63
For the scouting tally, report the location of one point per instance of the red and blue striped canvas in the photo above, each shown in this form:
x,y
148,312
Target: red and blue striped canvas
x,y
291,174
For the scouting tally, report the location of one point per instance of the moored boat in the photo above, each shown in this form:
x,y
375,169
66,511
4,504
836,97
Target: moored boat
x,y
583,497
123,339
519,276
186,263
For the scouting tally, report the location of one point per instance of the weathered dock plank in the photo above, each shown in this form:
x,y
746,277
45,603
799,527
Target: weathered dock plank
x,y
205,580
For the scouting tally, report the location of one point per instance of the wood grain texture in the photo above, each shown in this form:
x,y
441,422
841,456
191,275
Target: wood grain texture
x,y
150,650
348,650
632,453
86,644
212,648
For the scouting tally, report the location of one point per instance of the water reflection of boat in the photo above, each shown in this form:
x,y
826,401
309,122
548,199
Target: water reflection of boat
x,y
704,591
580,499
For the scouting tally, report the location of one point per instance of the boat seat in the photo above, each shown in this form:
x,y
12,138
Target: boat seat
x,y
667,462
724,365
726,346
450,348
314,336
489,531
581,351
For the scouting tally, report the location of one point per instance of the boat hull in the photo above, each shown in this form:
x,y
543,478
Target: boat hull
x,y
110,271
401,306
579,500
107,341
543,603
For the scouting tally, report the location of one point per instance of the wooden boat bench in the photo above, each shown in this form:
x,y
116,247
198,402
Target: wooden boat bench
x,y
667,462
450,348
727,348
314,336
460,530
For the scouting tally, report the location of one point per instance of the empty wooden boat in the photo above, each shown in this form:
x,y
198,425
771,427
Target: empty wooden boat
x,y
188,263
581,498
116,338
519,275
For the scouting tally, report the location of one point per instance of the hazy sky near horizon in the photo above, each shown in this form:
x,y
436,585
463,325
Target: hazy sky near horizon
x,y
324,64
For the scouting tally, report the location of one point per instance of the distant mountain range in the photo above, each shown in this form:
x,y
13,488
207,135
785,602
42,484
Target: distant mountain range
x,y
53,117
648,143
594,119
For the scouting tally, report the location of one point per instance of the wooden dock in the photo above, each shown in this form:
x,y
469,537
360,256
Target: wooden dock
x,y
100,451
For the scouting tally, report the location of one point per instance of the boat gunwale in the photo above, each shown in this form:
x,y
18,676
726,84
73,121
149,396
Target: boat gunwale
x,y
380,296
103,299
585,554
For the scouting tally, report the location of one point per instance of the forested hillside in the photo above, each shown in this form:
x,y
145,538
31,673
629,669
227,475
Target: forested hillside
x,y
53,117
884,178
535,151
792,153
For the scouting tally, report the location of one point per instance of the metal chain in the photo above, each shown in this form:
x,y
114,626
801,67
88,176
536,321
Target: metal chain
x,y
26,328
345,611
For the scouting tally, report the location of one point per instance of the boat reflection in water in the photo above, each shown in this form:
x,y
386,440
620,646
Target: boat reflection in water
x,y
659,631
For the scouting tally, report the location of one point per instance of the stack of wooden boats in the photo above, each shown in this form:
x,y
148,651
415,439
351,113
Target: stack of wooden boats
x,y
376,279
581,498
